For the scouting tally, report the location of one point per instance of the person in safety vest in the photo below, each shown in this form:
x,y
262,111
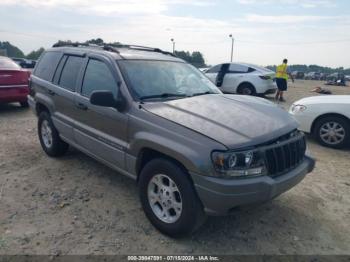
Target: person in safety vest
x,y
281,80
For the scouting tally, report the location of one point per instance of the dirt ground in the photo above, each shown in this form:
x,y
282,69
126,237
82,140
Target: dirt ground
x,y
75,205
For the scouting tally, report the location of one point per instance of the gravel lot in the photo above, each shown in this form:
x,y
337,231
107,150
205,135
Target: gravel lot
x,y
75,205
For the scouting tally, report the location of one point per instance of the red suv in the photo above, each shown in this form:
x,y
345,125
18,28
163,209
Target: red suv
x,y
14,82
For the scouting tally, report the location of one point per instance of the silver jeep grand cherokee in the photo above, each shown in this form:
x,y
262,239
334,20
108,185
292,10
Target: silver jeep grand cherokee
x,y
149,115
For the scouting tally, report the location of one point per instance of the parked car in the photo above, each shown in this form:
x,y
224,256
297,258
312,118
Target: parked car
x,y
298,75
327,118
152,117
313,76
13,82
347,78
337,79
242,78
24,63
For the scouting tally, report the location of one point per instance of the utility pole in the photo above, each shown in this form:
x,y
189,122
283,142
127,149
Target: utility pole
x,y
233,41
173,41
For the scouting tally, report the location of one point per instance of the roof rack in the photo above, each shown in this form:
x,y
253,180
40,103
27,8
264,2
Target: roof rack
x,y
113,47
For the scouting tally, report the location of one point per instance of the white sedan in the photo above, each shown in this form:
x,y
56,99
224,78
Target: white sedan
x,y
242,78
327,118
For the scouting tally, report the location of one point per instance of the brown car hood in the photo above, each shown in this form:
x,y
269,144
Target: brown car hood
x,y
234,121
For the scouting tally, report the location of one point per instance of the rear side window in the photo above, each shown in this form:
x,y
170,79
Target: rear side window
x,y
70,72
7,63
47,65
237,68
98,77
214,69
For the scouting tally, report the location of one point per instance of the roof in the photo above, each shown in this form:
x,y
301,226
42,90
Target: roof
x,y
118,52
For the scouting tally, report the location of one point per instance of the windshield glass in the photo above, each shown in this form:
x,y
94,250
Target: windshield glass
x,y
163,79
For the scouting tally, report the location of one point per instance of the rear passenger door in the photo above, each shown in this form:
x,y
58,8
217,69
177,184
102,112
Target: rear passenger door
x,y
234,77
65,83
101,131
213,72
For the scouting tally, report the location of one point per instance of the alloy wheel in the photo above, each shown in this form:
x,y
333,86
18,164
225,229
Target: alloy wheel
x,y
332,133
164,198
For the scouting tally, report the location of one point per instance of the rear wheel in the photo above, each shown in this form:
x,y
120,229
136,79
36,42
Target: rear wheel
x,y
332,131
49,138
246,89
168,198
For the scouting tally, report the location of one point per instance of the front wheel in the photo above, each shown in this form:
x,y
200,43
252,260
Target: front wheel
x,y
168,198
332,131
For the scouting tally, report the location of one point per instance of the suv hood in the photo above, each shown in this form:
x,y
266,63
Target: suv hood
x,y
234,121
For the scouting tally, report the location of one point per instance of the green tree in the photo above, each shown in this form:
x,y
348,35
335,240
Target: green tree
x,y
196,58
34,55
11,50
97,41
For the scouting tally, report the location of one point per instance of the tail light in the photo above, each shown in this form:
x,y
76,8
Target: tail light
x,y
265,77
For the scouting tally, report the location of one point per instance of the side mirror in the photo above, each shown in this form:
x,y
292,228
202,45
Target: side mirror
x,y
106,99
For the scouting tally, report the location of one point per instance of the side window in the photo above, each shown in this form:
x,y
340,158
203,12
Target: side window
x,y
214,69
70,72
98,77
47,65
237,68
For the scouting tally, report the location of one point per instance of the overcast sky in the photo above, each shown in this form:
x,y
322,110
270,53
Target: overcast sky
x,y
265,31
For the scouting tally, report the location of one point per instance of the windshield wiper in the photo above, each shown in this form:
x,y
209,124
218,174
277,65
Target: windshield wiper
x,y
203,93
164,95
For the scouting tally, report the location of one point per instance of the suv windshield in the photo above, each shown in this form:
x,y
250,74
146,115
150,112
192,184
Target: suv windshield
x,y
165,80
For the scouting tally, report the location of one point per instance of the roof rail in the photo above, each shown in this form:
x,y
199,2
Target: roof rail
x,y
77,44
142,48
113,47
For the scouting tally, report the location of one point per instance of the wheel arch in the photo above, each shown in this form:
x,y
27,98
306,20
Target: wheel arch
x,y
147,154
245,83
40,107
327,115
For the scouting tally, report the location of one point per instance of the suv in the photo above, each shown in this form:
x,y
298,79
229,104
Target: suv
x,y
151,116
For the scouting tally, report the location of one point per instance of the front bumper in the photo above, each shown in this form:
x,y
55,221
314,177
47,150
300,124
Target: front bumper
x,y
219,196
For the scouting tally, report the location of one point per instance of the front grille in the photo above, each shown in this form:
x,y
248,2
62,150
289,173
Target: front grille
x,y
283,156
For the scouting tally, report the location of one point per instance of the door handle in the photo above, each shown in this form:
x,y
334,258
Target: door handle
x,y
82,106
51,92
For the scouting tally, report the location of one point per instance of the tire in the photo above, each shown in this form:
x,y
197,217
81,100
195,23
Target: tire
x,y
24,104
176,223
246,89
339,125
49,138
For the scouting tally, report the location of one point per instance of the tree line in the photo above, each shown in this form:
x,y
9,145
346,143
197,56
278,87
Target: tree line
x,y
314,68
6,48
195,58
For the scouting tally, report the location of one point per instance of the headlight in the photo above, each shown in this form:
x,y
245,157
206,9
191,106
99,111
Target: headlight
x,y
239,164
297,109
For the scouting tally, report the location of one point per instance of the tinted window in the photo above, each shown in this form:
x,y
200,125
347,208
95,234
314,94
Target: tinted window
x,y
98,77
70,72
47,65
7,63
214,69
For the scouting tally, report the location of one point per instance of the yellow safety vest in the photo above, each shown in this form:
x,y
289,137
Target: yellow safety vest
x,y
281,71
